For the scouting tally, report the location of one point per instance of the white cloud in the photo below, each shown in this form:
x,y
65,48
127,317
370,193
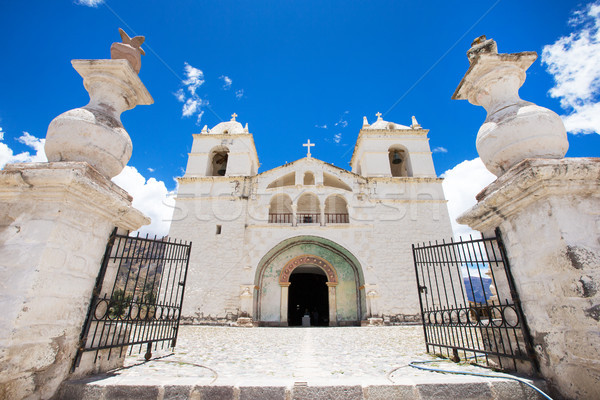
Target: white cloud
x,y
321,126
190,107
89,3
7,155
239,94
440,150
337,137
461,184
574,62
199,117
342,121
151,169
195,78
150,197
193,104
180,95
226,82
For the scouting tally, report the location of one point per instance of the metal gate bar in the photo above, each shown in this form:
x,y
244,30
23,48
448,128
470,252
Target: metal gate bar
x,y
466,312
137,297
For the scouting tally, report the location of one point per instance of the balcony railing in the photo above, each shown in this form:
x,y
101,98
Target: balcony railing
x,y
336,218
280,218
308,218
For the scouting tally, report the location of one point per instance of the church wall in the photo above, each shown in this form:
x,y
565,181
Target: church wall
x,y
212,289
382,229
270,290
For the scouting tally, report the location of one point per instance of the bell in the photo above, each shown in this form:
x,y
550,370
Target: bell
x,y
396,159
221,172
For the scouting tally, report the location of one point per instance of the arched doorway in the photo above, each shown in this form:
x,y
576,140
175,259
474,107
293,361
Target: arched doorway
x,y
307,286
308,297
275,276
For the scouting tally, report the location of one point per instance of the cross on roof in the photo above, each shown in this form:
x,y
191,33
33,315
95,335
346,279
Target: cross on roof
x,y
378,115
233,116
308,145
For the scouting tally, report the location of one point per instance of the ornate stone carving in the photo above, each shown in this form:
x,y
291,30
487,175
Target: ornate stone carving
x,y
284,276
129,50
514,129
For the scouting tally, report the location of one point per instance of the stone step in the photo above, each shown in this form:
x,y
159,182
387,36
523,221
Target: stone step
x,y
479,388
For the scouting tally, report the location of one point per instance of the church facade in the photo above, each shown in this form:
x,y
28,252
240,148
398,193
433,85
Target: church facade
x,y
307,242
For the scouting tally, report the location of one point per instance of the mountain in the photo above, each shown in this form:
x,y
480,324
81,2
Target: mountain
x,y
474,286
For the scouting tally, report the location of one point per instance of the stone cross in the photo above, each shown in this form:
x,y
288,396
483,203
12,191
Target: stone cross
x,y
308,145
233,116
129,50
378,115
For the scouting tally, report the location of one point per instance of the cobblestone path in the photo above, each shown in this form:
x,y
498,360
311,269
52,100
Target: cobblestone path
x,y
284,356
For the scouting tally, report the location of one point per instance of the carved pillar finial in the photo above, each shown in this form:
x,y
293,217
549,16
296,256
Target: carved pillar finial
x,y
514,129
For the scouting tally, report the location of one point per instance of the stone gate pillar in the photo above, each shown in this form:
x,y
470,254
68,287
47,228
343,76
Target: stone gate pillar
x,y
548,212
55,220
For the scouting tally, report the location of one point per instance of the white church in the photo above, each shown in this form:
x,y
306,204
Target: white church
x,y
307,242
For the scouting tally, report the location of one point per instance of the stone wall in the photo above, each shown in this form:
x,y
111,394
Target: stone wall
x,y
549,214
55,220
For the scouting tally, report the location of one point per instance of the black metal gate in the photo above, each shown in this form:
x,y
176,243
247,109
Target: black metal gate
x,y
138,295
469,304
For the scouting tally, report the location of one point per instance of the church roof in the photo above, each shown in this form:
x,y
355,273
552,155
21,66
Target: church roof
x,y
328,166
381,124
232,127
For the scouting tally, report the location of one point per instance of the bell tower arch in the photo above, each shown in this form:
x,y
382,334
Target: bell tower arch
x,y
226,150
388,149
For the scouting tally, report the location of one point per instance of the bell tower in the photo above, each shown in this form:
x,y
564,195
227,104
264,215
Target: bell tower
x,y
387,149
226,150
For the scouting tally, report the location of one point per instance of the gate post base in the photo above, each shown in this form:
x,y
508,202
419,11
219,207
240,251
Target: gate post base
x,y
547,211
55,219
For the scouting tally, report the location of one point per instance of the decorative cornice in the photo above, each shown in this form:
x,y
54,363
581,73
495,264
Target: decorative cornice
x,y
528,182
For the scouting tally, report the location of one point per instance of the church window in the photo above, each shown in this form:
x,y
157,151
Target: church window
x,y
280,209
218,161
336,210
218,229
309,210
399,161
309,178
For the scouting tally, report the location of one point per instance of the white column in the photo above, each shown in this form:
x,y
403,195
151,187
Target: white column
x,y
332,304
283,307
294,211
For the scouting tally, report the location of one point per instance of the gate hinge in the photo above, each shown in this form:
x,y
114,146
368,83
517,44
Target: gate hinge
x,y
422,289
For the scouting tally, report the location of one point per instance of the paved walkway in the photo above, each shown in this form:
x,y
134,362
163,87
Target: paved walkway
x,y
284,357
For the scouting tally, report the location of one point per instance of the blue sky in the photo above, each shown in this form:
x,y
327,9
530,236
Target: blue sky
x,y
293,70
